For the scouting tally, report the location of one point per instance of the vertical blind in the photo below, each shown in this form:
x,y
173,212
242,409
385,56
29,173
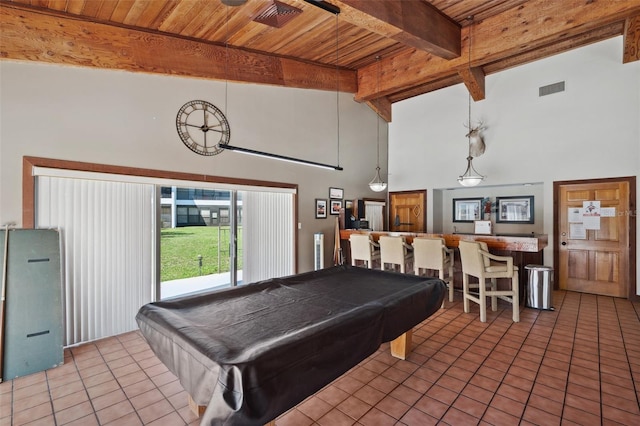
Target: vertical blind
x,y
268,235
374,214
108,246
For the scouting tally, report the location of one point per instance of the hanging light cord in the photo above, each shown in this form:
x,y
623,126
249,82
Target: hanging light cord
x,y
226,62
337,91
470,18
378,113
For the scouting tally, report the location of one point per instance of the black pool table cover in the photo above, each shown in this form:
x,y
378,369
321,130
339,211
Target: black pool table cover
x,y
252,352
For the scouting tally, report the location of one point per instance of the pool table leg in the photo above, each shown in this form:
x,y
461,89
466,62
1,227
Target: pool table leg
x,y
196,409
401,346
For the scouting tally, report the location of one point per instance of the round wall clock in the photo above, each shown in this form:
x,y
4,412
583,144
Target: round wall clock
x,y
202,127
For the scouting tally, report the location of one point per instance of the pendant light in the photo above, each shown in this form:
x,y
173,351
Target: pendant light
x,y
377,184
470,177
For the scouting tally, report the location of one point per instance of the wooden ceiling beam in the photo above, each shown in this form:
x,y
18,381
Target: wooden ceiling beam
x,y
533,25
473,78
631,39
382,107
414,23
35,35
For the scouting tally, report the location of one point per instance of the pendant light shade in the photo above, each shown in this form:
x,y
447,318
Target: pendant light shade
x,y
377,184
470,177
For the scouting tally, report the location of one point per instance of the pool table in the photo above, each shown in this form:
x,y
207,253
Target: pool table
x,y
252,352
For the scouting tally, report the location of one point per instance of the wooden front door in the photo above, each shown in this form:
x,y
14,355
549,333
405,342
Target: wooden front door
x,y
408,211
592,249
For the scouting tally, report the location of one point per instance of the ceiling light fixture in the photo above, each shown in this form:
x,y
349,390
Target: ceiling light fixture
x,y
377,184
470,177
325,6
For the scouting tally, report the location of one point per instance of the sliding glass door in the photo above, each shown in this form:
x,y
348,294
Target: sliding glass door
x,y
199,232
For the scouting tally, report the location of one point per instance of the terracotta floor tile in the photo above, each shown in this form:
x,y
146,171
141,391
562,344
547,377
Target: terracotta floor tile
x,y
349,384
507,405
620,416
138,388
33,413
170,419
29,391
108,399
417,384
497,417
74,413
431,406
314,408
375,417
293,417
155,411
485,382
70,400
453,416
44,421
369,395
130,419
579,416
335,417
146,399
354,407
332,395
477,393
513,393
89,420
393,407
470,406
32,401
417,417
441,394
115,412
102,388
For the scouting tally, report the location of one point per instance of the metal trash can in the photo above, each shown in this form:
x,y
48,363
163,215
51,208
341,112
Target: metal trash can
x,y
540,288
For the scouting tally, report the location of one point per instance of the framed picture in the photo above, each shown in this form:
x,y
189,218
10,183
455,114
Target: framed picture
x,y
515,209
336,193
467,209
321,208
336,205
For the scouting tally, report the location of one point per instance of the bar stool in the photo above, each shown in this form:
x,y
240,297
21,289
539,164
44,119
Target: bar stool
x,y
395,251
363,248
478,262
433,254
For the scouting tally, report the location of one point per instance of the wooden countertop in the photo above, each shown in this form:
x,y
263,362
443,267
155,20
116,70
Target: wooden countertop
x,y
507,242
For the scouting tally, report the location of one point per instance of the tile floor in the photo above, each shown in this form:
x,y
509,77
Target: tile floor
x,y
579,364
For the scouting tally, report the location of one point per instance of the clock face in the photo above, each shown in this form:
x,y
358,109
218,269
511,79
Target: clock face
x,y
202,127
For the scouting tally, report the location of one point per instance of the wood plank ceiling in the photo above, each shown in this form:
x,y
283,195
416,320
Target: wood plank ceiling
x,y
383,51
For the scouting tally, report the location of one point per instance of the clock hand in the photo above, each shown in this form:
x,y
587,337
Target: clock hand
x,y
191,125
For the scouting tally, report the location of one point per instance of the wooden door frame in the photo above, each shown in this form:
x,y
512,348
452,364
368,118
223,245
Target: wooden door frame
x,y
632,213
414,191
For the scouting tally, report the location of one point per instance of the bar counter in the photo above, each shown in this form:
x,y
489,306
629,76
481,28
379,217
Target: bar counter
x,y
524,248
532,243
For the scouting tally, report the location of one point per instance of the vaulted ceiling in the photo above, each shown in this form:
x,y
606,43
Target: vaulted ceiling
x,y
382,51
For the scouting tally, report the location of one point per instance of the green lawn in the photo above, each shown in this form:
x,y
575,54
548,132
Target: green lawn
x,y
180,248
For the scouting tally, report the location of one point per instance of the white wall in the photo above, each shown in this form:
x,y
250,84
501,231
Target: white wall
x,y
589,131
128,119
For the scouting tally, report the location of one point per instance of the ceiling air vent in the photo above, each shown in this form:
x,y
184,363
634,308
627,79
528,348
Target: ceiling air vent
x,y
550,89
277,14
